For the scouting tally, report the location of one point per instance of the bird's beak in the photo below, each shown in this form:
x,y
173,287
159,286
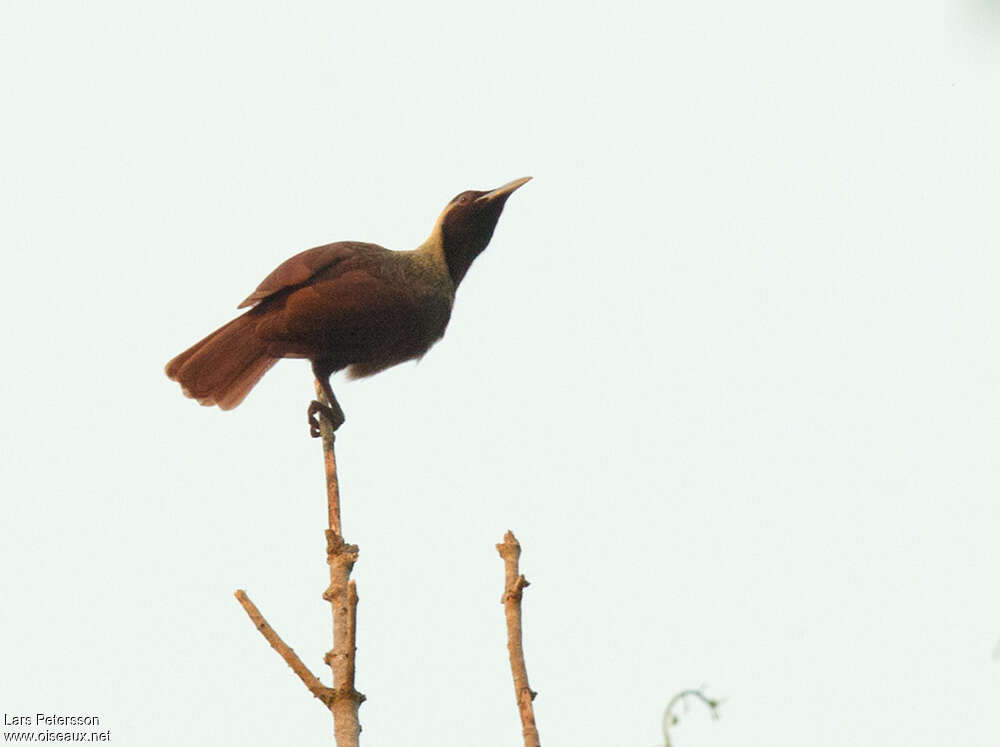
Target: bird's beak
x,y
505,190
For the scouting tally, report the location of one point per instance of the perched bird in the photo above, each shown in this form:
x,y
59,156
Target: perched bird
x,y
345,305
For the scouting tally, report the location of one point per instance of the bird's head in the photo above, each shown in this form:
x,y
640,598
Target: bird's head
x,y
467,222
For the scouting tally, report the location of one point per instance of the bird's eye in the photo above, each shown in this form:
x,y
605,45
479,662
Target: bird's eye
x,y
463,200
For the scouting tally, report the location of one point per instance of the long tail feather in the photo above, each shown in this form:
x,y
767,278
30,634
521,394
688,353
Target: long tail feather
x,y
223,368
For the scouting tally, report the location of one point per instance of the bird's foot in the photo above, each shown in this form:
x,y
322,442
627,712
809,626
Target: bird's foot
x,y
335,417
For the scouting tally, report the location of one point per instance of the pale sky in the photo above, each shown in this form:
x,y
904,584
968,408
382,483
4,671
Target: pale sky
x,y
729,368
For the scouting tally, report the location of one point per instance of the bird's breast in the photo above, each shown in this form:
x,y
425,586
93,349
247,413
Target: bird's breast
x,y
410,312
405,329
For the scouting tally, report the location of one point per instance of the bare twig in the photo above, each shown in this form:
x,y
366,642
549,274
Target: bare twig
x,y
510,551
330,462
343,598
669,718
342,699
317,688
342,595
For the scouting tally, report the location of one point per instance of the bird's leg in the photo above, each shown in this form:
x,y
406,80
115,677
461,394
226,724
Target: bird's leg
x,y
332,412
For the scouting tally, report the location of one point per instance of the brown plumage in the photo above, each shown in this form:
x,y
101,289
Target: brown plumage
x,y
345,305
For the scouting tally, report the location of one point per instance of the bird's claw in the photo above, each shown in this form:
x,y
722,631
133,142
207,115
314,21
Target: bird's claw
x,y
335,419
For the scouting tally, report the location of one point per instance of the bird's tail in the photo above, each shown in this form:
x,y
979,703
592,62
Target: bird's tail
x,y
223,368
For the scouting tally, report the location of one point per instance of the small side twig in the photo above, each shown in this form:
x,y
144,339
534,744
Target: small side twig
x,y
514,584
669,718
317,688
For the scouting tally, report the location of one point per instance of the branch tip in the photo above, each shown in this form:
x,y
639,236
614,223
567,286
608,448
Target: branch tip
x,y
514,584
671,719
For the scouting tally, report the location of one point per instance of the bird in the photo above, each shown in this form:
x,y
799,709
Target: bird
x,y
348,305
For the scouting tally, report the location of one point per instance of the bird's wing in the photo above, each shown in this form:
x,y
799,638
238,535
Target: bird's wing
x,y
362,309
300,268
351,305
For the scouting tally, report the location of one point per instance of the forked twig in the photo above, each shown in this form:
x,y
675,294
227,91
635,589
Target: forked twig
x,y
342,699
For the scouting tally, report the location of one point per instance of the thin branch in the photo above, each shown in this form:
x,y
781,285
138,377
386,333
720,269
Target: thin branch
x,y
342,699
317,688
343,598
669,719
342,595
330,463
514,584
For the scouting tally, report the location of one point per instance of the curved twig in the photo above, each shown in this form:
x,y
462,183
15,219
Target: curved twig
x,y
669,719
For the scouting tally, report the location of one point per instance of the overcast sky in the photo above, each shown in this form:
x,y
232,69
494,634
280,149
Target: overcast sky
x,y
729,368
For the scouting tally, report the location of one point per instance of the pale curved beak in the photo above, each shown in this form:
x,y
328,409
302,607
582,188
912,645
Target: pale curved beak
x,y
506,189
